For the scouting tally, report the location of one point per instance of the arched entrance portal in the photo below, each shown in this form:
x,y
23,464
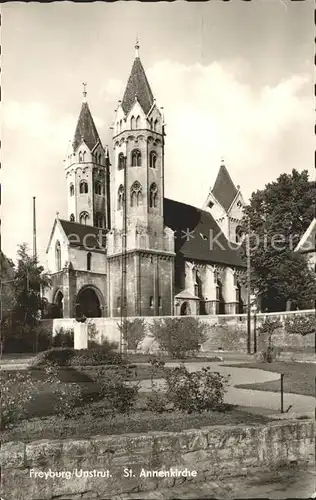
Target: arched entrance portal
x,y
88,303
59,306
185,309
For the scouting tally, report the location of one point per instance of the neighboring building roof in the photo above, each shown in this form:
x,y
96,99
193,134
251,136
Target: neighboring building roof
x,y
196,235
137,85
308,241
86,129
87,237
224,189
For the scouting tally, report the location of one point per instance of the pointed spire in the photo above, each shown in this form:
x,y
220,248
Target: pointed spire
x,y
137,47
224,189
137,86
86,130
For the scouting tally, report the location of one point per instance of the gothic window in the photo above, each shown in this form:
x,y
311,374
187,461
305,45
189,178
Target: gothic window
x,y
151,301
121,161
84,156
83,188
151,123
100,156
153,196
136,194
89,261
58,256
72,218
83,218
152,159
98,187
120,197
72,189
133,123
98,219
136,158
120,125
80,157
138,122
155,125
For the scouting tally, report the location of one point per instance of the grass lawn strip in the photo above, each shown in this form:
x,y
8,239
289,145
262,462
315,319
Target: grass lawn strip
x,y
299,378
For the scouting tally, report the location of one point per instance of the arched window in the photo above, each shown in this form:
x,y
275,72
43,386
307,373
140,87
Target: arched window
x,y
155,125
72,189
151,301
72,218
151,123
83,187
58,256
120,125
136,194
152,159
121,161
98,187
153,196
133,123
83,218
84,156
138,122
120,197
98,221
89,261
100,157
80,157
136,158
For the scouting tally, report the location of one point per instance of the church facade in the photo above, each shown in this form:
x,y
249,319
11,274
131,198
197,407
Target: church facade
x,y
124,245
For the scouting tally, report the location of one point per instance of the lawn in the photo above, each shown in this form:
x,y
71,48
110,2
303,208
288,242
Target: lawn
x,y
299,378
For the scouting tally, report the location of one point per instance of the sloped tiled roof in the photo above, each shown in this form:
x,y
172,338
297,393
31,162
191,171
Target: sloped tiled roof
x,y
224,189
81,236
85,129
196,235
137,85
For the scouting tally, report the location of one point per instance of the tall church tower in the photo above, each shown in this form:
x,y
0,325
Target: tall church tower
x,y
137,188
87,174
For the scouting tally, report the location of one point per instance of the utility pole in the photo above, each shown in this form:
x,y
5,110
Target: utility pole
x,y
34,228
248,290
123,335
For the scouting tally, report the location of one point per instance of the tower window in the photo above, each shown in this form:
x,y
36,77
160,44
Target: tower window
x,y
133,123
84,156
136,158
138,122
72,189
72,218
136,194
210,204
155,125
120,197
89,256
83,218
83,187
80,157
98,219
58,256
153,196
120,125
100,156
152,159
98,188
151,301
151,123
121,161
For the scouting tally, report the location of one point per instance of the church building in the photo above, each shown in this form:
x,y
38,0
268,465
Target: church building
x,y
124,245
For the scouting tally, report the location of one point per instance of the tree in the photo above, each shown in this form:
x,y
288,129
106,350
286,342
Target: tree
x,y
27,281
279,215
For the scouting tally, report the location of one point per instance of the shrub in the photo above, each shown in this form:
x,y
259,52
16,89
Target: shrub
x,y
180,337
196,391
156,401
15,392
64,338
115,390
302,325
268,327
61,356
135,330
67,356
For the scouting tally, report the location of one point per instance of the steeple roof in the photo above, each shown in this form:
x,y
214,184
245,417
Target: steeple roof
x,y
137,85
224,189
86,129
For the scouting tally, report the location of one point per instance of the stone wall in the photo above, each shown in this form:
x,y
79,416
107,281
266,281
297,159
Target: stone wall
x,y
225,332
211,451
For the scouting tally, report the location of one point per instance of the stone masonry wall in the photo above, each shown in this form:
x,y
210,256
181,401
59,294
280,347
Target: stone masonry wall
x,y
224,332
211,451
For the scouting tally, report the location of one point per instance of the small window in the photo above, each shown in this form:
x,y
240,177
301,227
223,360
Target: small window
x,y
138,122
210,204
89,261
152,159
120,197
80,157
239,204
84,156
58,256
155,125
83,188
136,194
72,218
153,196
83,218
72,189
121,161
151,301
136,158
133,123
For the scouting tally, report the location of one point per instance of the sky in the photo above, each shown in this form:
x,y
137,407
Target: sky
x,y
235,80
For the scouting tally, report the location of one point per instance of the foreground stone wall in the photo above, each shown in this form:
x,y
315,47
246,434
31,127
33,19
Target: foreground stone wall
x,y
211,451
225,332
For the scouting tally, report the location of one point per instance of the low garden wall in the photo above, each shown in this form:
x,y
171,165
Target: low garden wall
x,y
225,332
102,467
